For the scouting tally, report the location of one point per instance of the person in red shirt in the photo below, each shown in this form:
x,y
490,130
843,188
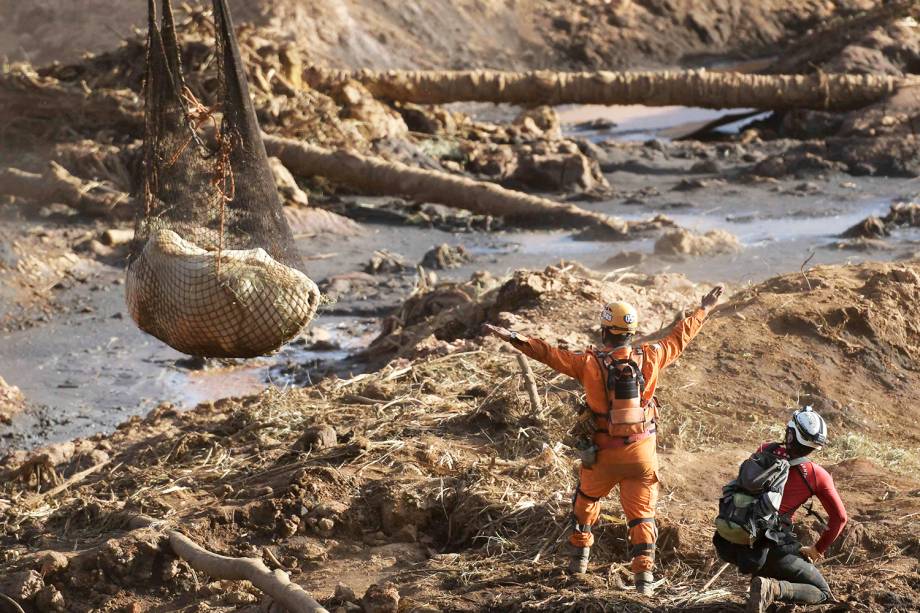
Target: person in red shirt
x,y
785,571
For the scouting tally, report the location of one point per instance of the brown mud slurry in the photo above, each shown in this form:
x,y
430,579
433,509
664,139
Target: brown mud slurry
x,y
434,473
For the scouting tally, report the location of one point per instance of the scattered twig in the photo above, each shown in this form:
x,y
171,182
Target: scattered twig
x,y
714,577
802,269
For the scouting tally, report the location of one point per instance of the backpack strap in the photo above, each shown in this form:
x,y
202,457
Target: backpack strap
x,y
802,473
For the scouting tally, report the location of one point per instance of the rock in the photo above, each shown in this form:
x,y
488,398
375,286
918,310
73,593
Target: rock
x,y
904,214
52,562
559,171
381,598
325,525
22,586
288,189
685,242
707,167
624,259
540,122
49,599
427,120
344,593
384,261
444,256
870,227
11,401
862,244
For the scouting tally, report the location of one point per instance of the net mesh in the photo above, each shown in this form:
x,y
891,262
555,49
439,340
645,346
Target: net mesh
x,y
195,277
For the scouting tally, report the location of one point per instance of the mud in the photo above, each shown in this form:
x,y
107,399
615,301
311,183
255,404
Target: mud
x,y
416,478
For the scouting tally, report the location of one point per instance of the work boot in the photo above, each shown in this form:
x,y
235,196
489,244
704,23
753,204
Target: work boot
x,y
644,583
763,592
578,564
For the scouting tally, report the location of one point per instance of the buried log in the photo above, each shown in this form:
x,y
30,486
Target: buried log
x,y
699,88
383,177
275,584
58,185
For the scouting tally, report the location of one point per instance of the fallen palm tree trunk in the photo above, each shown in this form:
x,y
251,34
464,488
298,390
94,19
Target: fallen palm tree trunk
x,y
699,88
58,185
383,177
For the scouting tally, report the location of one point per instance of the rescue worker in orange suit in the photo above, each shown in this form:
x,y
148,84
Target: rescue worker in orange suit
x,y
625,445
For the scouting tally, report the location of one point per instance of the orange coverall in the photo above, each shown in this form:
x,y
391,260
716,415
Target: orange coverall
x,y
635,466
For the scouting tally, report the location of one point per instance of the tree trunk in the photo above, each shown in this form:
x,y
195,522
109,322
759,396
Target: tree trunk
x,y
699,88
382,177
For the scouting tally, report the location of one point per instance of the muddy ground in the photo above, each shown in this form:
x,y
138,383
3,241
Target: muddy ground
x,y
393,445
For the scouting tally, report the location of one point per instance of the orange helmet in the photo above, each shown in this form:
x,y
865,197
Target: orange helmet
x,y
620,316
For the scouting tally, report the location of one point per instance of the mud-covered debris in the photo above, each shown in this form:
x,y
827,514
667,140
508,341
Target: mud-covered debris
x,y
706,167
682,242
316,438
445,256
381,598
427,119
624,259
11,401
288,189
539,122
52,562
862,244
870,227
22,586
686,185
384,261
49,600
344,593
373,118
558,171
901,214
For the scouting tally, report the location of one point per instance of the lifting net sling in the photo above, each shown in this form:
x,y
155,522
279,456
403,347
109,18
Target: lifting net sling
x,y
213,269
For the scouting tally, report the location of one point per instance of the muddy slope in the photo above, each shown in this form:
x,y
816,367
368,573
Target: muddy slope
x,y
448,34
434,479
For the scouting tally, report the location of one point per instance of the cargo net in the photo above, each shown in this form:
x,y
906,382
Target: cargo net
x,y
213,269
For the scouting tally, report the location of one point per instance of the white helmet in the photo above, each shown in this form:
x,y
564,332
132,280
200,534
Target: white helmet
x,y
809,427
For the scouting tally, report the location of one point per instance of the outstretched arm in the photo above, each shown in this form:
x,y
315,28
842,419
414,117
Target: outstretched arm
x,y
670,347
564,361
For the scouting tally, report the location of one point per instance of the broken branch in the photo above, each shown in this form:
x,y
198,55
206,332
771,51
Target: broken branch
x,y
276,584
530,383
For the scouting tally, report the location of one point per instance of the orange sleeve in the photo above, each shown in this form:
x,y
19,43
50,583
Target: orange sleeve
x,y
668,349
567,362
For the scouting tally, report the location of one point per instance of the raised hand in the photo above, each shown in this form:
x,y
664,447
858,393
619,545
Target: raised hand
x,y
712,298
502,333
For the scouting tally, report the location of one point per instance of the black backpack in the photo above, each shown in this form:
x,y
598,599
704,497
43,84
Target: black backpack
x,y
749,507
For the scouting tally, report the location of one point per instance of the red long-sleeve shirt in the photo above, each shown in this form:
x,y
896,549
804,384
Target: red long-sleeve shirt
x,y
797,493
